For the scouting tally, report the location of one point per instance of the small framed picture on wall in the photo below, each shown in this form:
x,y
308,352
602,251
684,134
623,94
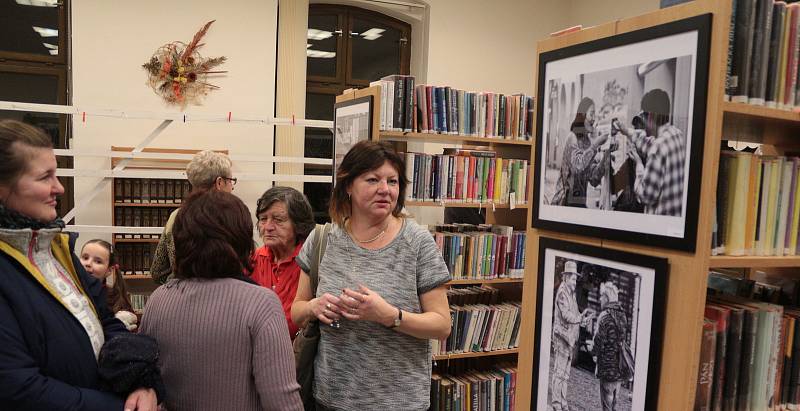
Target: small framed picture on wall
x,y
601,318
352,122
620,131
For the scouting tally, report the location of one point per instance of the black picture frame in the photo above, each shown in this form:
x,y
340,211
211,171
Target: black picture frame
x,y
625,68
352,122
641,285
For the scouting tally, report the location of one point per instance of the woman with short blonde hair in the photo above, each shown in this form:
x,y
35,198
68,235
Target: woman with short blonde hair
x,y
208,170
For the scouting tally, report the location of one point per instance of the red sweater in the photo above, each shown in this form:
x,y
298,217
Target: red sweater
x,y
281,278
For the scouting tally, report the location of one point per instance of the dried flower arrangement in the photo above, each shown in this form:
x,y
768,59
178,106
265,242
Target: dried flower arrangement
x,y
179,74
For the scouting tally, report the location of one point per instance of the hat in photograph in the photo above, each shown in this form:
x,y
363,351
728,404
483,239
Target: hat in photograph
x,y
570,267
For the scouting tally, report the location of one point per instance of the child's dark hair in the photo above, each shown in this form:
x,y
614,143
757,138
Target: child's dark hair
x,y
122,301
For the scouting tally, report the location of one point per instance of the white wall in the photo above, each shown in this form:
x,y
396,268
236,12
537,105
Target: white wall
x,y
110,42
595,12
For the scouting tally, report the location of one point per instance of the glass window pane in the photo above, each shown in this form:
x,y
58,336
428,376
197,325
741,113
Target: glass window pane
x,y
375,49
321,45
319,141
29,26
32,88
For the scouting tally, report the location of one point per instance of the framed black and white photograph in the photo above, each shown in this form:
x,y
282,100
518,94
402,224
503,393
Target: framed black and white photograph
x,y
352,122
620,133
601,320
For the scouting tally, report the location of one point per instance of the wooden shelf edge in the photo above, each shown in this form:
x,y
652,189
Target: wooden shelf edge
x,y
416,203
433,137
724,261
136,240
443,357
760,111
488,281
137,277
175,205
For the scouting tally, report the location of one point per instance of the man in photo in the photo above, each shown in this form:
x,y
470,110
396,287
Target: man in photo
x,y
660,154
567,319
606,346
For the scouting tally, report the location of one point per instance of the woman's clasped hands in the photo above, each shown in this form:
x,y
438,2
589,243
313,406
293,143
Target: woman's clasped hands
x,y
354,305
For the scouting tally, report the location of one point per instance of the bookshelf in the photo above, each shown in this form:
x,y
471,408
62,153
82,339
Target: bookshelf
x,y
496,213
688,272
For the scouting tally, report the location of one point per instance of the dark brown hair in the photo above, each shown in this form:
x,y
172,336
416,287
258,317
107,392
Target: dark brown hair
x,y
364,157
297,206
13,161
213,235
121,301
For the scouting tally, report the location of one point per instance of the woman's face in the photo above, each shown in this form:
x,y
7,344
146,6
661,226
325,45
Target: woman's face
x,y
588,122
94,258
374,193
34,194
275,227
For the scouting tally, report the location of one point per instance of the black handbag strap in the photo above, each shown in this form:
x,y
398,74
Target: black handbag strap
x,y
320,242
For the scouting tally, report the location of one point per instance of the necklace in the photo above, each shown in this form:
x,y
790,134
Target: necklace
x,y
373,239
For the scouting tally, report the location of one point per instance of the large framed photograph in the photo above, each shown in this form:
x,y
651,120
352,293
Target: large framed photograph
x,y
352,122
599,334
620,131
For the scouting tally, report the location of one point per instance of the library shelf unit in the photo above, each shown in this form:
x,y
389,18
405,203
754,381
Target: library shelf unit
x,y
688,272
498,213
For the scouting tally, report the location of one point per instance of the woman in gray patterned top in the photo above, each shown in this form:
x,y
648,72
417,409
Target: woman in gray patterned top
x,y
381,293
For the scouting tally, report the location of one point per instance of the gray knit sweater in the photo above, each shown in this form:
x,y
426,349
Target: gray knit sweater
x,y
224,346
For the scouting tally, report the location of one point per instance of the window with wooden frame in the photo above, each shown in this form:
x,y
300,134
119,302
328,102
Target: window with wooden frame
x,y
347,47
34,56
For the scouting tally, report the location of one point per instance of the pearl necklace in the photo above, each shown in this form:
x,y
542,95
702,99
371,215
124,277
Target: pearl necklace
x,y
373,239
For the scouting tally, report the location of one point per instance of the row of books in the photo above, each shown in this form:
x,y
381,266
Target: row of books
x,y
490,390
150,190
138,301
141,217
135,258
750,346
758,205
480,328
446,110
483,294
763,53
466,175
481,252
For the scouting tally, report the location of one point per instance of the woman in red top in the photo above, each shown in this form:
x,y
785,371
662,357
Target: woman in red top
x,y
284,220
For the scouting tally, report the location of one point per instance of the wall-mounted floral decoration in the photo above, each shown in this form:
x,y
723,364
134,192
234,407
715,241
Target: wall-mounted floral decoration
x,y
179,74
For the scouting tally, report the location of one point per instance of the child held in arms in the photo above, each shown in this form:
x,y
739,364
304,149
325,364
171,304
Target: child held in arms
x,y
99,260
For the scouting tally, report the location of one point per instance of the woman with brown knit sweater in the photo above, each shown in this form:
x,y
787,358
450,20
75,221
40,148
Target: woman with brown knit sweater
x,y
222,338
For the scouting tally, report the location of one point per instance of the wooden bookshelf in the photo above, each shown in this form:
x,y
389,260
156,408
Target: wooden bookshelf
x,y
724,261
444,357
688,272
491,281
447,138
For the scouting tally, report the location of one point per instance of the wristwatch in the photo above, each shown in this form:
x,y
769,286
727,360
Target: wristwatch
x,y
397,320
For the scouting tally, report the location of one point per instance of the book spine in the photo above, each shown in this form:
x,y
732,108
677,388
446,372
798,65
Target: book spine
x,y
763,29
773,68
730,80
408,111
745,16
